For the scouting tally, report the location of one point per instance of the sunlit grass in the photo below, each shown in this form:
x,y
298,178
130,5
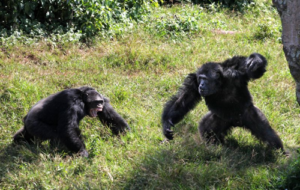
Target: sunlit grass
x,y
139,71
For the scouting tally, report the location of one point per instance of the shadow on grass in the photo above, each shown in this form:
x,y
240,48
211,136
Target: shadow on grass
x,y
192,164
16,157
13,156
289,177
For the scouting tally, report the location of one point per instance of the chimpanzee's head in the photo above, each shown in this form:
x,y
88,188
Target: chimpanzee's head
x,y
209,78
94,102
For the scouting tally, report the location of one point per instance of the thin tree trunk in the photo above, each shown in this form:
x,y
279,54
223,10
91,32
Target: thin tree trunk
x,y
289,11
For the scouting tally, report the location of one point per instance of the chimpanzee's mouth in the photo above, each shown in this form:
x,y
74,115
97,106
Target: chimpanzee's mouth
x,y
93,111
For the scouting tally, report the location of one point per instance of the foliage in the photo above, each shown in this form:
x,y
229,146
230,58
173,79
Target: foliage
x,y
264,31
175,25
44,17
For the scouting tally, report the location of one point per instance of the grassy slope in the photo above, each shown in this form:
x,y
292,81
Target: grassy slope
x,y
139,72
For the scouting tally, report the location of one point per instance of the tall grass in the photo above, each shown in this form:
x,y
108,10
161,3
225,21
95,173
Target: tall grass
x,y
139,71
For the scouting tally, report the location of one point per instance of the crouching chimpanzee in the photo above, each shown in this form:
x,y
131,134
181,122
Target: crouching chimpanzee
x,y
224,89
57,118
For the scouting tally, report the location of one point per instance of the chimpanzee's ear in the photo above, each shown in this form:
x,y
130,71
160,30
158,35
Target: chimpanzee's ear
x,y
84,92
106,100
84,96
219,74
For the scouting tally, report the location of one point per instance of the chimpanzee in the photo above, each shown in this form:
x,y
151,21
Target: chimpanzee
x,y
57,117
224,89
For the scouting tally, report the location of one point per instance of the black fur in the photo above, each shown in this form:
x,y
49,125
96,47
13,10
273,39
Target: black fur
x,y
57,117
224,89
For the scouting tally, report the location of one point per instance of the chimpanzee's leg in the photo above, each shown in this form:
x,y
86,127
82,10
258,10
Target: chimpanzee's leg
x,y
257,123
40,130
213,129
22,136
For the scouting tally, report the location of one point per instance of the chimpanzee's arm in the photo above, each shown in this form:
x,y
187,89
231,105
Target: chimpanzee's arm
x,y
256,65
180,104
246,68
69,132
109,117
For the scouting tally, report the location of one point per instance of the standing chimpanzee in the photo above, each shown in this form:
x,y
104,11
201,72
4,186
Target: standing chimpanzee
x,y
224,88
57,118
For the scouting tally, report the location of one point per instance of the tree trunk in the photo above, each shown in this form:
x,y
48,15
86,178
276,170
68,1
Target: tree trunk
x,y
289,11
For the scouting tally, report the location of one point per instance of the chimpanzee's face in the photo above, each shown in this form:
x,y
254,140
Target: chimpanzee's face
x,y
209,78
94,102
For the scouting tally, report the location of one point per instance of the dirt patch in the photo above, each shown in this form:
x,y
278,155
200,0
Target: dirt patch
x,y
224,32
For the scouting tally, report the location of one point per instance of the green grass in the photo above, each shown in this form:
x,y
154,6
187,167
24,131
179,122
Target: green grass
x,y
139,71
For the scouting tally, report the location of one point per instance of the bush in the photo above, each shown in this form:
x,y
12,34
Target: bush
x,y
265,31
173,25
44,17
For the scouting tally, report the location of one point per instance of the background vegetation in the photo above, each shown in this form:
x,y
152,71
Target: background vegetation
x,y
40,18
139,69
